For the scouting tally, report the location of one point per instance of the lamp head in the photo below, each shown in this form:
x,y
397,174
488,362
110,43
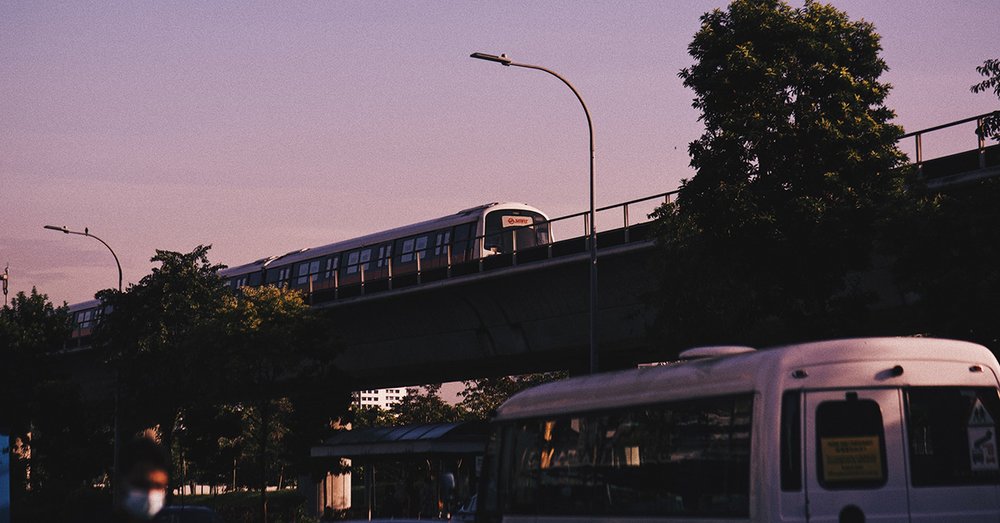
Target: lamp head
x,y
60,229
502,59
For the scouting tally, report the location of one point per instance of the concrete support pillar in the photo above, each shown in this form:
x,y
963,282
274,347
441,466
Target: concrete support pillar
x,y
333,490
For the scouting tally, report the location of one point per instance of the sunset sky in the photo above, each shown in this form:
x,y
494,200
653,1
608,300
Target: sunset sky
x,y
269,126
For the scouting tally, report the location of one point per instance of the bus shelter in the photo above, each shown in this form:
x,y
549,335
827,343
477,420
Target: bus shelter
x,y
415,471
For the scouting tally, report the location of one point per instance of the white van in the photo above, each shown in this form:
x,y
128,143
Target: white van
x,y
878,430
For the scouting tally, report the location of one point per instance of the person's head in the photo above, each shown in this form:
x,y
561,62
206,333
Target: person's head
x,y
144,466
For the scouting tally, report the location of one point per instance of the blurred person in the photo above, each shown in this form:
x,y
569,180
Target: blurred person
x,y
144,466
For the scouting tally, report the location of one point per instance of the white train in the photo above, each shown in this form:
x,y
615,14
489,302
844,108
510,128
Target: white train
x,y
428,248
879,429
455,240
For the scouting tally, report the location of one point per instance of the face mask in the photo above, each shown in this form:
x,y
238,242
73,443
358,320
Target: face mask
x,y
144,504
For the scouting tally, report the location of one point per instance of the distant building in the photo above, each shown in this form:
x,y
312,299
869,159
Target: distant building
x,y
382,398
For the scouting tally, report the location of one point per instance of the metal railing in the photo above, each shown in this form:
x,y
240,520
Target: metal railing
x,y
476,257
918,141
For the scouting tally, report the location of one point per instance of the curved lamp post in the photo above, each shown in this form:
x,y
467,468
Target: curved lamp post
x,y
114,464
592,241
86,232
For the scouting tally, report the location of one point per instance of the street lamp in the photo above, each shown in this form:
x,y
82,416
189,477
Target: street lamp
x,y
507,62
114,464
86,232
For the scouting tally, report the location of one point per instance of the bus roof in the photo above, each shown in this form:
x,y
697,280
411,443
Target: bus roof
x,y
740,373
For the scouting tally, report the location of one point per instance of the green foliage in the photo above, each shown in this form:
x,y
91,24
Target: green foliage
x,y
948,263
154,335
794,170
424,405
238,385
482,397
991,70
31,328
59,438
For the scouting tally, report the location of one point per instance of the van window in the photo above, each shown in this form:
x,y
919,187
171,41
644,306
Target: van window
x,y
851,444
688,458
952,435
791,441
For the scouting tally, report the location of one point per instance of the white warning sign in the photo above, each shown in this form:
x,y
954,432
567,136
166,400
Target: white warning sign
x,y
980,417
983,448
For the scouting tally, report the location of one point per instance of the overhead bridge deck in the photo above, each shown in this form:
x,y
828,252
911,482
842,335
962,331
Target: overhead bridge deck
x,y
527,310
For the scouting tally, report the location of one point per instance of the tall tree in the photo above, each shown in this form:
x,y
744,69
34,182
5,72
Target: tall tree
x,y
991,70
277,360
31,329
482,397
795,167
154,335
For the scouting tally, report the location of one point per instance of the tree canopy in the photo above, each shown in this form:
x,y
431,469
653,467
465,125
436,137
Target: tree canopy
x,y
796,166
991,71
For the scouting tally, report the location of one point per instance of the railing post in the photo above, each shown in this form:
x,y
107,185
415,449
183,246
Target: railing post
x,y
389,265
362,267
920,155
448,272
625,214
586,230
417,254
981,134
310,289
481,241
336,283
513,245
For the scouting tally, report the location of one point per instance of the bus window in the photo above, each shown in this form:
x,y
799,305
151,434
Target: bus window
x,y
688,458
952,435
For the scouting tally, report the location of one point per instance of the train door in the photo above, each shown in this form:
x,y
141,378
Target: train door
x,y
854,457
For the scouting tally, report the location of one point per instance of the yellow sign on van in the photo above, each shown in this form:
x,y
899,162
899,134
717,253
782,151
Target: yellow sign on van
x,y
851,459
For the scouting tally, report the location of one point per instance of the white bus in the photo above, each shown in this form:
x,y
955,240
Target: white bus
x,y
879,429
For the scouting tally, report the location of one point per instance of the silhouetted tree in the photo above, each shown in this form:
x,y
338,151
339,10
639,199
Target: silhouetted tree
x,y
276,358
482,397
424,405
796,165
156,337
991,70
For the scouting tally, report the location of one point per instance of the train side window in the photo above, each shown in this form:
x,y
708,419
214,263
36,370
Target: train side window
x,y
441,241
331,265
851,423
352,262
366,256
308,271
384,253
278,276
463,240
406,255
952,435
422,247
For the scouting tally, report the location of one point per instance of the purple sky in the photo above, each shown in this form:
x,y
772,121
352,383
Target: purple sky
x,y
260,128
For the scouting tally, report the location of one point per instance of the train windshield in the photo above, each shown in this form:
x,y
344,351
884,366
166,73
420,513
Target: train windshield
x,y
508,230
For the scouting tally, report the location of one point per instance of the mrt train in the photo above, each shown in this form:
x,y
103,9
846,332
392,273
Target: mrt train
x,y
399,256
404,252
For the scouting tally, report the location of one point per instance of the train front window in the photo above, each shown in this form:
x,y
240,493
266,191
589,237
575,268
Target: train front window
x,y
510,228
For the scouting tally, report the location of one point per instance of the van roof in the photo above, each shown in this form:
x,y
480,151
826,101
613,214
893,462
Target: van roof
x,y
749,371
